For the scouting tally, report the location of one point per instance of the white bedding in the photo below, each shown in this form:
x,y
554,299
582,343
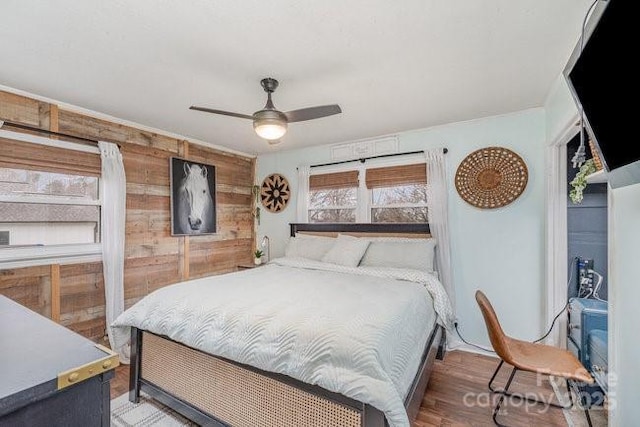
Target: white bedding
x,y
355,331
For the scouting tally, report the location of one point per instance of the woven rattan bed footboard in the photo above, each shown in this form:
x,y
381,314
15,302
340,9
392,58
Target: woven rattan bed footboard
x,y
214,391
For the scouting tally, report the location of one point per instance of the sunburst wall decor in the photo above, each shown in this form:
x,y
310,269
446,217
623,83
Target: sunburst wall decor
x,y
275,193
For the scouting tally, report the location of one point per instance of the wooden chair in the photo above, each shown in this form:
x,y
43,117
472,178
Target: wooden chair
x,y
525,356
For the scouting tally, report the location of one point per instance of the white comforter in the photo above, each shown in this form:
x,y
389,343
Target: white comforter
x,y
355,331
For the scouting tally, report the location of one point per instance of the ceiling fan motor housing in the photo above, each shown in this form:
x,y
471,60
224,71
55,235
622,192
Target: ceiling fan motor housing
x,y
270,124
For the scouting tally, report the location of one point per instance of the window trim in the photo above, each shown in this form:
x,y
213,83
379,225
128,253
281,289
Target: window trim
x,y
334,207
49,200
31,256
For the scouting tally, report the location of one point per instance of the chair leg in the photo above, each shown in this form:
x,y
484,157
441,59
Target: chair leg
x,y
586,413
586,410
570,395
520,396
495,374
502,394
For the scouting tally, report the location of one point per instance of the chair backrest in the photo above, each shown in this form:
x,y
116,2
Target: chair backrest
x,y
496,334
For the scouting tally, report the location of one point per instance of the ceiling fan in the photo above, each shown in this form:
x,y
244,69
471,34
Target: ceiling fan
x,y
271,124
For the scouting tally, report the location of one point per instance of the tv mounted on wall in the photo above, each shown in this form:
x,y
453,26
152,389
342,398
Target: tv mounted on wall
x,y
604,81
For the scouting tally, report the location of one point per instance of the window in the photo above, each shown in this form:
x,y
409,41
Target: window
x,y
333,197
398,193
401,203
49,200
45,208
395,193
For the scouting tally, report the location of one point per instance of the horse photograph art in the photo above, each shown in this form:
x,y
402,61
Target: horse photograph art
x,y
193,198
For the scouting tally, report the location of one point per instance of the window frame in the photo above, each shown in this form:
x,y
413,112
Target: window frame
x,y
373,206
333,207
31,256
364,195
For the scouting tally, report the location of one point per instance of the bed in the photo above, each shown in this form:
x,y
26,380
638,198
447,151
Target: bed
x,y
297,377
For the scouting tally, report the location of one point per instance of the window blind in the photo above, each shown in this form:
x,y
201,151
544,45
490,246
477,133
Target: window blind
x,y
24,155
396,175
328,181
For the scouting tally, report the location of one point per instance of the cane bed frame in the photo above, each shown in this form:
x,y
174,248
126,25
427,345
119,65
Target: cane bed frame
x,y
214,391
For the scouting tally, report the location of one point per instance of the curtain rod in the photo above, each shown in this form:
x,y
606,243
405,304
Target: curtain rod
x,y
48,132
364,159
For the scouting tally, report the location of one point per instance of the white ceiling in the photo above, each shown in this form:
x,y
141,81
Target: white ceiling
x,y
391,65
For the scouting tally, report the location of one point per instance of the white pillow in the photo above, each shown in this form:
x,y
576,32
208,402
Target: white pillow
x,y
310,247
416,254
347,250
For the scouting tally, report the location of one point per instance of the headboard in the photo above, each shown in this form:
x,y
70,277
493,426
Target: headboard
x,y
413,230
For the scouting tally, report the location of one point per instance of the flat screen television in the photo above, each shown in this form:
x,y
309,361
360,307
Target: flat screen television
x,y
604,81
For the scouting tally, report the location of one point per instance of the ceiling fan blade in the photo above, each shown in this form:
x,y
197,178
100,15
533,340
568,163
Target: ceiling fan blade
x,y
224,113
312,113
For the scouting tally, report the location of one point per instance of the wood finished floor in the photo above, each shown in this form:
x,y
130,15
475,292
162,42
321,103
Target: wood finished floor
x,y
460,374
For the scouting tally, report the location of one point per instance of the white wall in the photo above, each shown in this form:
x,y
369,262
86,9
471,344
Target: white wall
x,y
499,251
624,302
559,108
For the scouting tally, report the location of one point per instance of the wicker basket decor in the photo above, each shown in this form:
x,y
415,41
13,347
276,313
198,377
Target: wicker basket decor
x,y
491,177
596,156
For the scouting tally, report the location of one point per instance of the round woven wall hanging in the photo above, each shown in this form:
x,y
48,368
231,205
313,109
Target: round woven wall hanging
x,y
491,177
275,193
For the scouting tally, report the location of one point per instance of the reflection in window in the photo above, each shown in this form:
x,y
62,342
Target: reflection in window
x,y
400,203
44,208
333,205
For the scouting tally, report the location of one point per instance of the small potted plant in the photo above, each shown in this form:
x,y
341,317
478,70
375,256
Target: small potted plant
x,y
257,257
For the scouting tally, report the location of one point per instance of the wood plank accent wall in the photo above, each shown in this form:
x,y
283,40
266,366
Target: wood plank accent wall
x,y
153,258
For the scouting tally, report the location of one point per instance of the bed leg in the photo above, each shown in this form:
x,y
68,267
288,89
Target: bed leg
x,y
373,417
134,368
442,346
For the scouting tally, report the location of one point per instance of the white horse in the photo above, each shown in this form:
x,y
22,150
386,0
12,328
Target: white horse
x,y
194,208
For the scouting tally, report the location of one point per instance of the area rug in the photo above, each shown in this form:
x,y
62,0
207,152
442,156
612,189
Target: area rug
x,y
147,413
575,416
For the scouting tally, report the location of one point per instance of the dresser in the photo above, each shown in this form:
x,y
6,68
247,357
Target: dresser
x,y
49,375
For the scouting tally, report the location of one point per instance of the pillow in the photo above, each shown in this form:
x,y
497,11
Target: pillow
x,y
310,247
347,250
416,254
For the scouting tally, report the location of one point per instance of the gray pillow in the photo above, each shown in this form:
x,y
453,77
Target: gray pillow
x,y
416,254
310,247
347,250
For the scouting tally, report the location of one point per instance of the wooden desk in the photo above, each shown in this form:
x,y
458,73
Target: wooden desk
x,y
49,375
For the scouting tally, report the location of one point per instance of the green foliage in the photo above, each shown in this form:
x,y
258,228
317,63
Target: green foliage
x,y
258,253
579,183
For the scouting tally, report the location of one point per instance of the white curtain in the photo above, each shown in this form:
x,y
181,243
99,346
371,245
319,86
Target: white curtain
x,y
302,201
113,191
438,213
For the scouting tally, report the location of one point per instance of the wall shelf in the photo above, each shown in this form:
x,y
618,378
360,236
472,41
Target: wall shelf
x,y
599,177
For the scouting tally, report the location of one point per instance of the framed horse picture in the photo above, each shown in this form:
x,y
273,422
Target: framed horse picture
x,y
193,198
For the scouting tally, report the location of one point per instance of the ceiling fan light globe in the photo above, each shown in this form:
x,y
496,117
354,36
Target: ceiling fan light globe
x,y
270,129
